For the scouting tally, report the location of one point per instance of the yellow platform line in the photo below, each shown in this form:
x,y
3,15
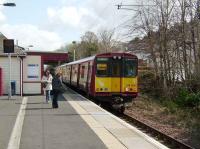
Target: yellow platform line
x,y
106,137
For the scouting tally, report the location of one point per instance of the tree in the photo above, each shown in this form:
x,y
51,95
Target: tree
x,y
172,37
89,44
106,40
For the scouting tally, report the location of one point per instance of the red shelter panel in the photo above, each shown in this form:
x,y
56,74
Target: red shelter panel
x,y
1,82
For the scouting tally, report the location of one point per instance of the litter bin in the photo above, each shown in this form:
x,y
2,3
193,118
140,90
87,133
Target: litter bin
x,y
13,87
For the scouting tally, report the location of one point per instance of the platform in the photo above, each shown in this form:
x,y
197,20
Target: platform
x,y
77,124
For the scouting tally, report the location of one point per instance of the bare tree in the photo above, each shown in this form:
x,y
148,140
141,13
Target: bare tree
x,y
106,40
171,33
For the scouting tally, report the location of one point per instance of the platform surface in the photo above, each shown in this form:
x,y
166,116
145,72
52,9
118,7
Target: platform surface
x,y
77,124
8,114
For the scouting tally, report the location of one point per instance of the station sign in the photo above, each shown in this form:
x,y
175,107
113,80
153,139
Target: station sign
x,y
101,66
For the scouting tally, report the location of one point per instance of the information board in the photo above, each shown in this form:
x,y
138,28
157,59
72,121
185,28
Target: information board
x,y
33,71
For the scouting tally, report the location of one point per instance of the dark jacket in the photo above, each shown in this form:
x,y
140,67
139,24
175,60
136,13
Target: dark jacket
x,y
57,84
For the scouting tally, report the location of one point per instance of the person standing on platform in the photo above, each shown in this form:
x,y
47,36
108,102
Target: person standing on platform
x,y
47,83
57,89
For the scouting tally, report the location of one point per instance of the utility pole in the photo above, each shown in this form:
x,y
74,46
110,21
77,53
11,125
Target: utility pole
x,y
8,45
9,90
74,52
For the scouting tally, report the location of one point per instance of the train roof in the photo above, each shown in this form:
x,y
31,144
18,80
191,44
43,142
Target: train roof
x,y
81,60
116,54
93,57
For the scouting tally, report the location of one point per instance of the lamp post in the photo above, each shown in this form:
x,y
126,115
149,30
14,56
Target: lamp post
x,y
9,54
74,43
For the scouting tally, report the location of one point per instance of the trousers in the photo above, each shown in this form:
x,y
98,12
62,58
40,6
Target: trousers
x,y
55,98
48,95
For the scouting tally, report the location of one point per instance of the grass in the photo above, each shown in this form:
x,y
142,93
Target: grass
x,y
165,112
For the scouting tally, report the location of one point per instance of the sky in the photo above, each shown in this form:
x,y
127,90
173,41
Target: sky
x,y
50,24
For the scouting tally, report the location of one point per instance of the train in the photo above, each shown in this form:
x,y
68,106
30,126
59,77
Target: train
x,y
110,78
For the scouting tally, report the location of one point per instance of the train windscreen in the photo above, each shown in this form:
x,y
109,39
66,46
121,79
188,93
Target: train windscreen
x,y
115,67
102,68
130,67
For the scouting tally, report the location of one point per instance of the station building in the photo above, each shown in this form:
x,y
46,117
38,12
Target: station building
x,y
27,68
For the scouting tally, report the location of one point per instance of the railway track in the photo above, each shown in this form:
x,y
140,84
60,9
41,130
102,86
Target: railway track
x,y
165,139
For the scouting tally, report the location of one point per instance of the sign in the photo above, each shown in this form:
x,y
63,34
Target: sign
x,y
101,66
33,71
8,45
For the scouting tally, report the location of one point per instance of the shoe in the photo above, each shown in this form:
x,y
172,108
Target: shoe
x,y
54,107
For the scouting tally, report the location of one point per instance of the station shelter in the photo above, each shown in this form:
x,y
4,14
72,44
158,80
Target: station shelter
x,y
33,69
27,68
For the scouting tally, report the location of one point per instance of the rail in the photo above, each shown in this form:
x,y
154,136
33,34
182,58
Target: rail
x,y
168,140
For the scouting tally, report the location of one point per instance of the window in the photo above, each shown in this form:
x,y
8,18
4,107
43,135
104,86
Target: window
x,y
102,67
130,67
116,68
82,71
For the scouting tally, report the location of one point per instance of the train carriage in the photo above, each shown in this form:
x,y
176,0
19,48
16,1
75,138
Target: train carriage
x,y
109,77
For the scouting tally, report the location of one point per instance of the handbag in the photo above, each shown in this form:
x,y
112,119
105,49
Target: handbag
x,y
62,89
44,85
57,85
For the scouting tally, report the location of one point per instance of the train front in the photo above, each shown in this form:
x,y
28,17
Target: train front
x,y
116,79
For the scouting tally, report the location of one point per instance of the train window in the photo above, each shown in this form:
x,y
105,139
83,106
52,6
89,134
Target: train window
x,y
102,59
130,68
102,67
116,68
82,71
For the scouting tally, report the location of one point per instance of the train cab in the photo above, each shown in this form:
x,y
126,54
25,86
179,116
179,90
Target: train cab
x,y
116,76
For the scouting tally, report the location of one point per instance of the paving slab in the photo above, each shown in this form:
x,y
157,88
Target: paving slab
x,y
62,128
76,124
128,135
8,113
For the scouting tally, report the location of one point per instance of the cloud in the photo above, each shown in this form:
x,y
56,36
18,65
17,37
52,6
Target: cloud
x,y
70,16
27,34
65,15
82,16
2,17
66,21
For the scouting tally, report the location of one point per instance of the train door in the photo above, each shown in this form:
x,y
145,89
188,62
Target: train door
x,y
116,69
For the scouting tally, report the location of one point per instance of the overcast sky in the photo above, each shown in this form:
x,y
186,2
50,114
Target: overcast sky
x,y
49,24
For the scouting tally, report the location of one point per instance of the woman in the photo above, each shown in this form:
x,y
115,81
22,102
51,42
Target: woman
x,y
47,82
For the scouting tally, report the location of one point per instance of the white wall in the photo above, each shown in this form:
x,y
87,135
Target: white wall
x,y
15,73
32,75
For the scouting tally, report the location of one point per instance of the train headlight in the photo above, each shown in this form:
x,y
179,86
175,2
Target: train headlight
x,y
119,57
114,57
127,89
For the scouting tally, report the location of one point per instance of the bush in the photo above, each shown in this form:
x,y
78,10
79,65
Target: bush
x,y
171,106
187,99
147,82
